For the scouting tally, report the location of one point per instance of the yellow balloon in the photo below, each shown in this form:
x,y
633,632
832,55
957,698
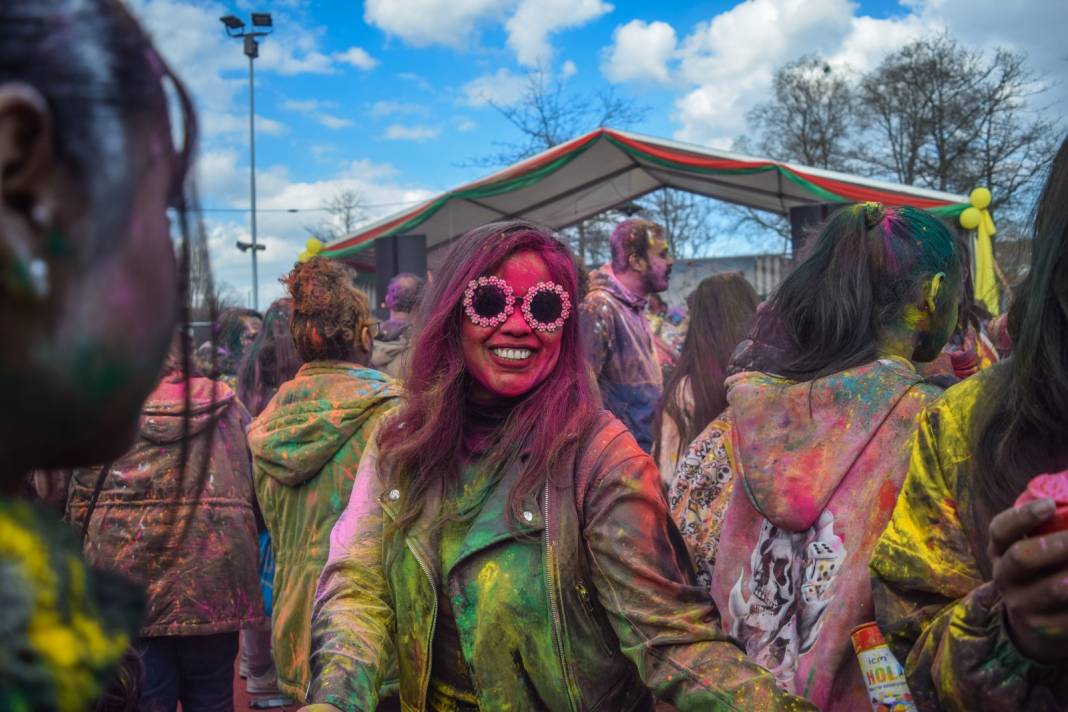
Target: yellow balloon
x,y
980,198
313,245
303,256
969,219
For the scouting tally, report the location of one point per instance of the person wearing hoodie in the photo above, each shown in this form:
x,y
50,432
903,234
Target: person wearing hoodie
x,y
306,445
782,497
618,338
190,540
395,335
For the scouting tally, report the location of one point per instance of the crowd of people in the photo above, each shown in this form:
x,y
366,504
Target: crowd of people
x,y
527,489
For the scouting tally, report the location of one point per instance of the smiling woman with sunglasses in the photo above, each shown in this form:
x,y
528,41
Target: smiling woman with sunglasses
x,y
506,542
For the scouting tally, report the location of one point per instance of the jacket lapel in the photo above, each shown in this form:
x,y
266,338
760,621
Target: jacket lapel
x,y
494,523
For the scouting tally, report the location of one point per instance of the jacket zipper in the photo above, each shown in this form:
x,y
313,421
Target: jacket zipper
x,y
558,642
425,682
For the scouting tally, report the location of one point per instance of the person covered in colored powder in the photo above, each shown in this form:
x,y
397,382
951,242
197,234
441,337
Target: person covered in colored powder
x,y
619,341
191,541
721,311
781,498
392,345
509,558
969,350
971,600
307,443
270,361
88,300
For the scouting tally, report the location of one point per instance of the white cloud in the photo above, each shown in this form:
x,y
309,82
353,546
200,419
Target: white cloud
x,y
283,232
400,132
390,108
535,21
464,124
733,57
218,124
529,24
726,64
568,69
640,52
308,105
191,38
357,57
316,109
453,23
333,122
501,88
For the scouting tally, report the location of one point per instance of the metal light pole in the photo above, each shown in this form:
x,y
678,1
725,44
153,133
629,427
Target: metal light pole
x,y
235,27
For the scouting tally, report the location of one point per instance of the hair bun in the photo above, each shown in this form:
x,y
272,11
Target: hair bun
x,y
873,214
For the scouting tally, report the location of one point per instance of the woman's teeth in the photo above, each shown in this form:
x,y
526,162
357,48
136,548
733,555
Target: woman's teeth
x,y
512,354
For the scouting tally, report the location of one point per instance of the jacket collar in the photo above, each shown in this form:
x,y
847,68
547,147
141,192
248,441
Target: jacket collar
x,y
491,525
604,279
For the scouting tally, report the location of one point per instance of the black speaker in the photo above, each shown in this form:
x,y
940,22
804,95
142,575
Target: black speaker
x,y
395,254
805,218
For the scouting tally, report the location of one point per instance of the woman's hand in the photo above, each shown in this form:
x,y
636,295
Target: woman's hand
x,y
1031,574
318,707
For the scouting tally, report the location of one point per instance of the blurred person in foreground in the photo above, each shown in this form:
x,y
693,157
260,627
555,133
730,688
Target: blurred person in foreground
x,y
90,171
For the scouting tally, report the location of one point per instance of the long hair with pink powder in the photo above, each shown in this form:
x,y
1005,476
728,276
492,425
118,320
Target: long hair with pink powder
x,y
422,443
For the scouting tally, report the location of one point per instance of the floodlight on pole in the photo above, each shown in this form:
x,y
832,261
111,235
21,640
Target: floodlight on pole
x,y
262,25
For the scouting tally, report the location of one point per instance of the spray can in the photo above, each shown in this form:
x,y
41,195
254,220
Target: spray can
x,y
883,674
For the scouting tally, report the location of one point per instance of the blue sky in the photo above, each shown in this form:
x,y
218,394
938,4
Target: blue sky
x,y
388,97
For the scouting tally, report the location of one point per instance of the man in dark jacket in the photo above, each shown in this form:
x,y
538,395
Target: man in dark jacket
x,y
395,336
617,335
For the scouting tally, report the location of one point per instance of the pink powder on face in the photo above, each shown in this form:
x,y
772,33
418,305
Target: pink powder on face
x,y
489,351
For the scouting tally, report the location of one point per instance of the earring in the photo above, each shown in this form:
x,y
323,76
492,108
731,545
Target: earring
x,y
38,279
40,215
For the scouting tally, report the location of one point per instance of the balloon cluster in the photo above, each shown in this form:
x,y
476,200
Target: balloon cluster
x,y
976,215
311,249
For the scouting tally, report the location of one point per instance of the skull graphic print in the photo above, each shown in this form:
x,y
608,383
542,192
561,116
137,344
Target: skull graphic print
x,y
790,584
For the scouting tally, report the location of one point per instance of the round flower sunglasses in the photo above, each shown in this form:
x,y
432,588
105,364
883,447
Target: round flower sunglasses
x,y
489,301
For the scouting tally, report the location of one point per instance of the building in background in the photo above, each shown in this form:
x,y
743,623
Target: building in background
x,y
764,272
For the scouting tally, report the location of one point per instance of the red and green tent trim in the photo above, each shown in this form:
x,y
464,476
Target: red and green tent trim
x,y
820,186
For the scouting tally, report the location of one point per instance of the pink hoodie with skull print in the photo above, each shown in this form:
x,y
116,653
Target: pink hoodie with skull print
x,y
781,500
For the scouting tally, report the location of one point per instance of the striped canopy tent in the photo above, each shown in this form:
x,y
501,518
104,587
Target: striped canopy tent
x,y
607,168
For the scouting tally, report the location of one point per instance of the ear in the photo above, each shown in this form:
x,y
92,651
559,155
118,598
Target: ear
x,y
27,162
637,263
366,342
26,155
931,288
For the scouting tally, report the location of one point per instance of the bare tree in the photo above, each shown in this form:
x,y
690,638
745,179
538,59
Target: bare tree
x,y
685,219
548,114
939,115
932,114
807,120
346,211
